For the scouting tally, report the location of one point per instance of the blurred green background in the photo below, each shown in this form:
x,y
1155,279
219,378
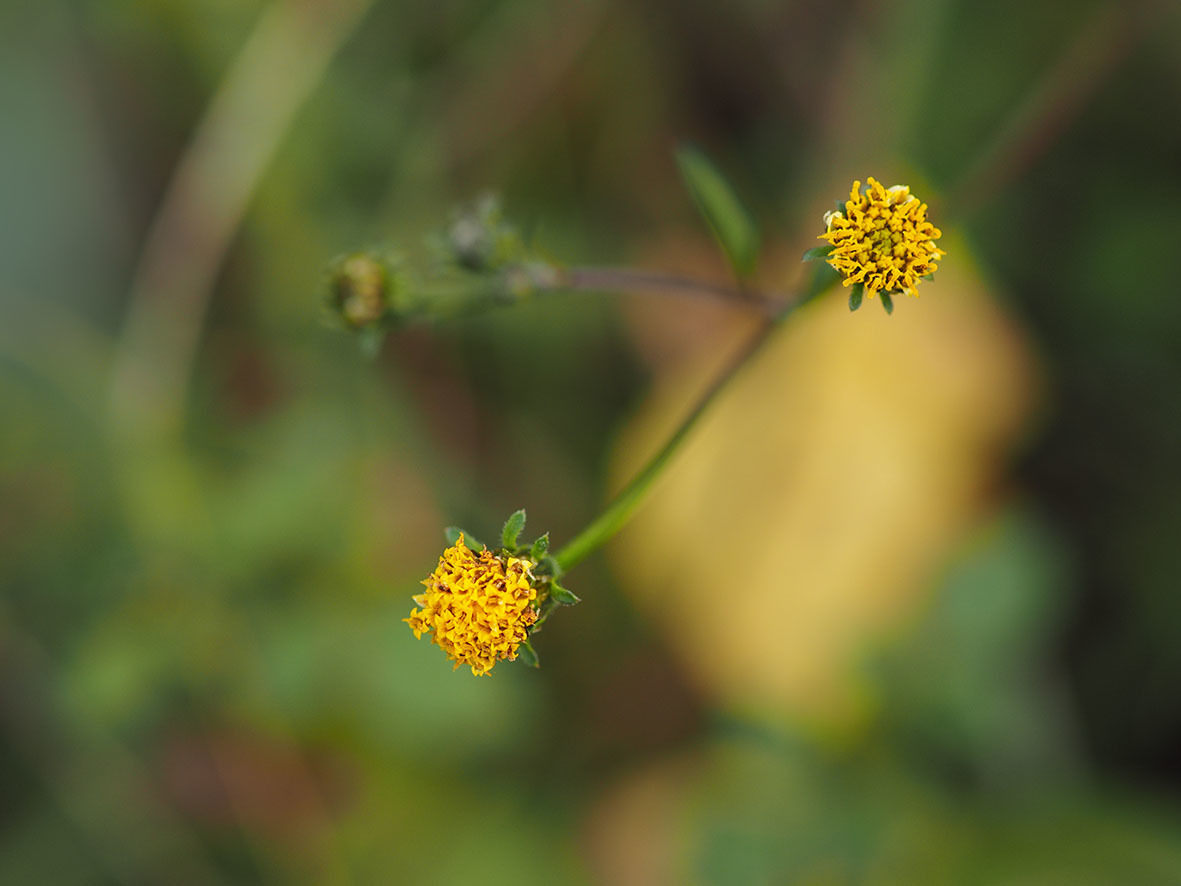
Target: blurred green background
x,y
906,612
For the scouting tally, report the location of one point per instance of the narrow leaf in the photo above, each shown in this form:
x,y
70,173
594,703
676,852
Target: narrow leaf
x,y
547,607
540,546
731,224
823,279
817,252
527,656
563,596
512,529
547,565
855,295
452,534
887,302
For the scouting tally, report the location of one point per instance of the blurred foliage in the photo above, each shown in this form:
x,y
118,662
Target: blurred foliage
x,y
961,518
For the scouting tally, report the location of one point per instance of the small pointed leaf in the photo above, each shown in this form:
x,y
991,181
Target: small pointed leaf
x,y
855,295
527,656
540,546
563,596
452,534
887,302
548,606
513,527
817,252
731,224
823,279
547,565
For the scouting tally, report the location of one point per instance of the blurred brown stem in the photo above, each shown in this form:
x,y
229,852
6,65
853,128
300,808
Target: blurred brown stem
x,y
603,279
1047,111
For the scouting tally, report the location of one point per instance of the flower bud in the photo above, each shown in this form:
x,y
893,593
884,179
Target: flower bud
x,y
480,239
359,289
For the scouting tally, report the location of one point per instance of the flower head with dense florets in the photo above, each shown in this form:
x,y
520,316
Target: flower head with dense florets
x,y
882,239
478,606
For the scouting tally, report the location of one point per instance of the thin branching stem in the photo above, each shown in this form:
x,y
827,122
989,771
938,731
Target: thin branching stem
x,y
621,508
610,279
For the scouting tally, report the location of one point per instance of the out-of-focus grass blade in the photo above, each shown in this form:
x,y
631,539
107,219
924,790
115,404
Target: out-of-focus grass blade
x,y
727,218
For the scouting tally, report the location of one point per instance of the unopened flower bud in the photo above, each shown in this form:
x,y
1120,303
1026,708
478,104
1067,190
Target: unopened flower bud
x,y
359,289
480,239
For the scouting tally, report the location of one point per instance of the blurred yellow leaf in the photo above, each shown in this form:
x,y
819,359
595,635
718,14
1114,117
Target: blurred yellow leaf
x,y
811,510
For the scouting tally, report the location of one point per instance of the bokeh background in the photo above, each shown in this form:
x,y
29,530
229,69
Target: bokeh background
x,y
906,608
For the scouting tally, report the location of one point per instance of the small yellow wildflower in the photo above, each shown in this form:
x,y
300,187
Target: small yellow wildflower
x,y
882,239
479,606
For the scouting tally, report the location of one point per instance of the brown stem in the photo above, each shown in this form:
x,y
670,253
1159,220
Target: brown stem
x,y
604,279
1048,110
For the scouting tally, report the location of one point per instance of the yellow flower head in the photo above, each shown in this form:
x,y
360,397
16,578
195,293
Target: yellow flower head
x,y
479,606
882,239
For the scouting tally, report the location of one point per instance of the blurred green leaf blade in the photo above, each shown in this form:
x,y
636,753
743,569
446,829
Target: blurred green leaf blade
x,y
728,220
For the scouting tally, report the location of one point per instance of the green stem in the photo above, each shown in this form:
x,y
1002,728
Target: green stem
x,y
624,505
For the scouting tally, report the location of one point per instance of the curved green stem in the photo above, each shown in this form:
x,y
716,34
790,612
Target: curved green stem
x,y
624,505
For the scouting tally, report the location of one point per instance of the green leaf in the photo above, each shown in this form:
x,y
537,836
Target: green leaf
x,y
887,303
547,606
729,221
823,279
563,596
452,534
818,252
840,204
929,277
540,546
547,565
527,656
512,529
855,295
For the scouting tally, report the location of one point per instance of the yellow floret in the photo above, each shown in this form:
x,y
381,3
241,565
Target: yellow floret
x,y
479,607
882,239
